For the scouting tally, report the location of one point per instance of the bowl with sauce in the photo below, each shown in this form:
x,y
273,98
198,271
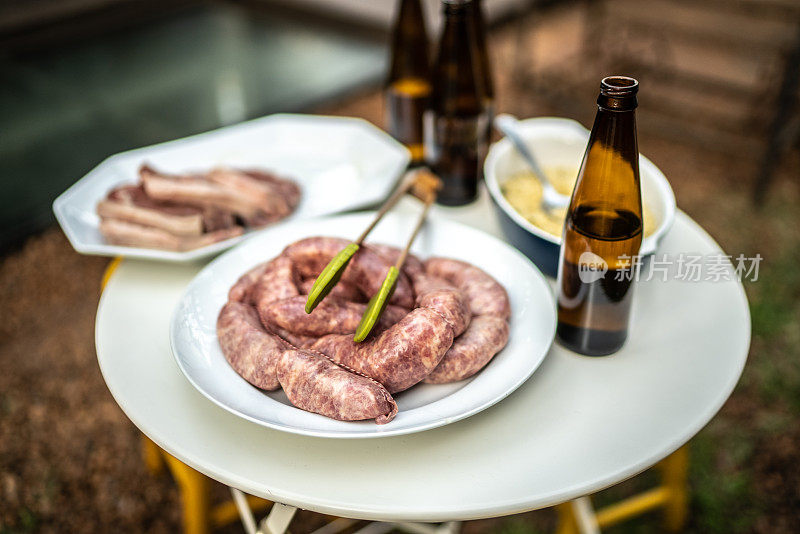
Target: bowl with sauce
x,y
558,144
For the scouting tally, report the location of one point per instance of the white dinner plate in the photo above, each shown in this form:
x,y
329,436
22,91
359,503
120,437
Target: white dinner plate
x,y
193,336
340,164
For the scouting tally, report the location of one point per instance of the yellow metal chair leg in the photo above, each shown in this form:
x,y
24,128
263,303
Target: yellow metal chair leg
x,y
110,268
198,515
226,512
566,519
671,496
674,475
195,493
152,456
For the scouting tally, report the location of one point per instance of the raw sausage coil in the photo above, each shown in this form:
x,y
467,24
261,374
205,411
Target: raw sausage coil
x,y
488,330
456,324
366,269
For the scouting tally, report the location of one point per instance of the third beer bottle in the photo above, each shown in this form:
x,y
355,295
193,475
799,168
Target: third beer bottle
x,y
456,125
603,230
483,58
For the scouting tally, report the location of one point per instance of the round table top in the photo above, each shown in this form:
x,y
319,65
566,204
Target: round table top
x,y
576,426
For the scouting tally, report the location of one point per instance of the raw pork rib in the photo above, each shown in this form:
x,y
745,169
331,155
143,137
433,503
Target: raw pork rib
x,y
130,203
183,212
119,232
256,201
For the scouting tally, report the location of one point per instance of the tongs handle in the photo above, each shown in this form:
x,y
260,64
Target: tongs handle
x,y
426,187
405,184
332,272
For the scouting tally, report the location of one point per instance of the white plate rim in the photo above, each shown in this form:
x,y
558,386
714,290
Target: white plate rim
x,y
380,430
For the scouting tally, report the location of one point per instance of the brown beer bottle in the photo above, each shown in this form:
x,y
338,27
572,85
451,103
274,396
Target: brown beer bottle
x,y
408,85
456,125
483,57
603,230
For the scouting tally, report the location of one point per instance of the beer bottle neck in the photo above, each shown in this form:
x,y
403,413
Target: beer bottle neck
x,y
608,181
615,124
615,129
457,89
482,48
410,57
455,6
616,104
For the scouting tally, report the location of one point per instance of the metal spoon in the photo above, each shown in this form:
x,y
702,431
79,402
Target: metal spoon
x,y
509,126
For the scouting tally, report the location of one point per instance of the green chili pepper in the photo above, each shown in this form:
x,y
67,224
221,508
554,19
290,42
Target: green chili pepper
x,y
329,276
376,305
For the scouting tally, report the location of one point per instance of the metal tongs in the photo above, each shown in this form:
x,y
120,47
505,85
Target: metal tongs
x,y
425,186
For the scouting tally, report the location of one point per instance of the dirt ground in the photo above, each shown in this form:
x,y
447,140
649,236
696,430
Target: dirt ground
x,y
70,460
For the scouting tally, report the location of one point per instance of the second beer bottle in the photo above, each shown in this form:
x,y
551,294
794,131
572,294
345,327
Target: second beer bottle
x,y
456,124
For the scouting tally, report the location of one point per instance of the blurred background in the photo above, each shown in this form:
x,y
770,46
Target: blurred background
x,y
84,79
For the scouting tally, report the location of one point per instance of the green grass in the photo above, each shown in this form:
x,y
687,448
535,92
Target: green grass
x,y
774,297
27,521
721,497
515,525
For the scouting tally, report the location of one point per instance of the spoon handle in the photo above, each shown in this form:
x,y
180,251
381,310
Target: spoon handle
x,y
508,126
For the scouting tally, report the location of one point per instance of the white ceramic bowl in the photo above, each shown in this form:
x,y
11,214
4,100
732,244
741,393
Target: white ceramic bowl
x,y
558,142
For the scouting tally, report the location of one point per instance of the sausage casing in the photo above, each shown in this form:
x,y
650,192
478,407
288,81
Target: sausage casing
x,y
442,297
399,357
486,296
239,291
315,384
277,282
485,337
366,269
331,316
248,347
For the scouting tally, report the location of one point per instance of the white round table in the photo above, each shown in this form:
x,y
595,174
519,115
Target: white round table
x,y
576,426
